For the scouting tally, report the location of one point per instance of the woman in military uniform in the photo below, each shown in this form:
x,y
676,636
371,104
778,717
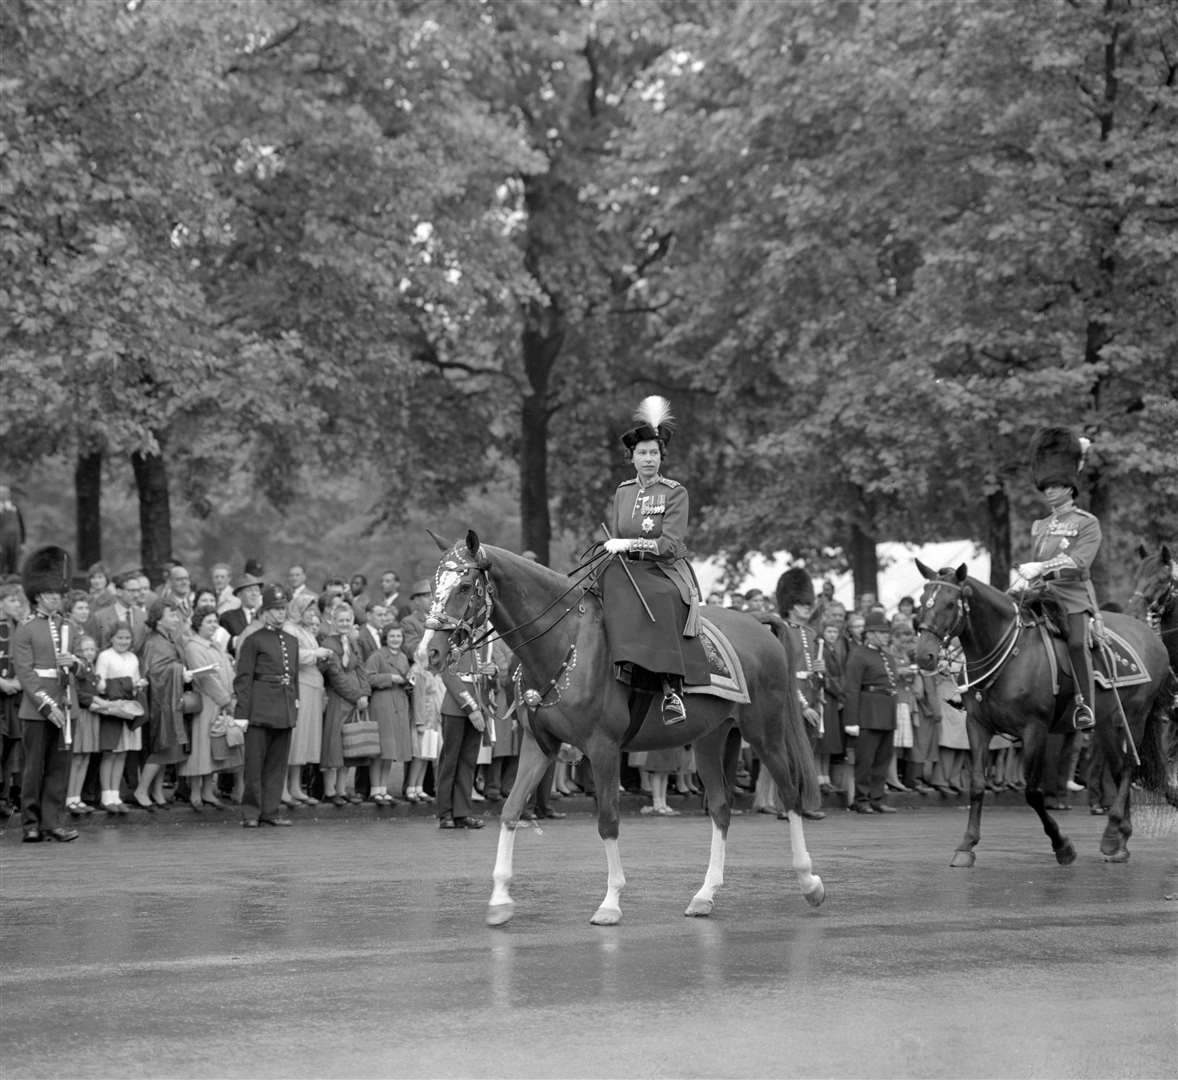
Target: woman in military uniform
x,y
1064,546
651,598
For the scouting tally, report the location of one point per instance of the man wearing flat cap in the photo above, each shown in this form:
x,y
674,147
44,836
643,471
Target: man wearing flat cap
x,y
413,624
266,686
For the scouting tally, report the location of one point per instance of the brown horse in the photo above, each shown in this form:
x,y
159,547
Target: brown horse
x,y
1010,690
554,625
1155,598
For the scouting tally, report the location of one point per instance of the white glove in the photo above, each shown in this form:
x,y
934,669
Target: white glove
x,y
617,547
852,729
1029,570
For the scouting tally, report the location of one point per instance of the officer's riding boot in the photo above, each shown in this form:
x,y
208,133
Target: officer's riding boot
x,y
1084,714
674,711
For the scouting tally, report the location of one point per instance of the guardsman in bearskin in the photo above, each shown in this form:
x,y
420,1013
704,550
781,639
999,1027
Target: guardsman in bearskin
x,y
42,660
1064,546
267,690
652,619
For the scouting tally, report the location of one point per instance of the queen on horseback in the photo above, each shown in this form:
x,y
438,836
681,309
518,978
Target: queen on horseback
x,y
649,593
1064,545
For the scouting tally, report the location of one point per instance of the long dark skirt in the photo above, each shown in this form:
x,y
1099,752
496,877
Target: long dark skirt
x,y
659,646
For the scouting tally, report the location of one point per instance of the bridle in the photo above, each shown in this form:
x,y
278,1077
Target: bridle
x,y
472,630
992,663
1157,607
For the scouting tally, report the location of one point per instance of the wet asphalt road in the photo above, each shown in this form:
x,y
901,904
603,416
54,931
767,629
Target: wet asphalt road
x,y
357,948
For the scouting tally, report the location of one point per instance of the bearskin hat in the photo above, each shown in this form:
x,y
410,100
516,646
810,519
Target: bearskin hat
x,y
794,587
1057,455
46,570
654,422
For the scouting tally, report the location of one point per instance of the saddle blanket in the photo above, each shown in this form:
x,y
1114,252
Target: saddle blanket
x,y
727,674
1129,669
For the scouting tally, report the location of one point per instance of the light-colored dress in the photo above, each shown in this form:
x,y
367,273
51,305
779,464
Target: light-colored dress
x,y
216,691
306,741
389,704
116,665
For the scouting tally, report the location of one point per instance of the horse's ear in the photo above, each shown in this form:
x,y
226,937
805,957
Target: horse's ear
x,y
442,545
925,572
472,542
1141,552
961,573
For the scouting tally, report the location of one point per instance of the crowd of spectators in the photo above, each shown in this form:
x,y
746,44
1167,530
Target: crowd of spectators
x,y
153,724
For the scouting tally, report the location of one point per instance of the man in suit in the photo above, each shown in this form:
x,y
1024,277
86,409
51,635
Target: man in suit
x,y
870,713
413,624
249,591
178,589
123,610
266,686
43,663
222,576
390,588
368,634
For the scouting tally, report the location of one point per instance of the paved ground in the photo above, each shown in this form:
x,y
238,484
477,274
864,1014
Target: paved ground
x,y
356,948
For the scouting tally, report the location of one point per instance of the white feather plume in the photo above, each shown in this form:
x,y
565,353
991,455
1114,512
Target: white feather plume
x,y
655,411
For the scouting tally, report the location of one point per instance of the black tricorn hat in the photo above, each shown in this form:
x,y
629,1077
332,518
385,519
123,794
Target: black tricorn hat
x,y
794,587
46,570
1057,455
654,422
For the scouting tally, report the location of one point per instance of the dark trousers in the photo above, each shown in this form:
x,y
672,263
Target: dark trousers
x,y
46,773
873,754
266,753
456,765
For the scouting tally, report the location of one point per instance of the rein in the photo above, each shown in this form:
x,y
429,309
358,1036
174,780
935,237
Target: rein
x,y
997,656
1157,608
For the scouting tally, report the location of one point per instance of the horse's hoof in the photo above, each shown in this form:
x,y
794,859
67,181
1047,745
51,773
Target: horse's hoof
x,y
963,859
699,908
606,916
1065,854
500,914
1118,856
816,895
1110,845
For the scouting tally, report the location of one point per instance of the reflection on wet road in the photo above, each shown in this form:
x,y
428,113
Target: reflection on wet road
x,y
358,949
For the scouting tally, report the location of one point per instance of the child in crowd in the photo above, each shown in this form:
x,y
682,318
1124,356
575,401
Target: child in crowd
x,y
119,679
86,726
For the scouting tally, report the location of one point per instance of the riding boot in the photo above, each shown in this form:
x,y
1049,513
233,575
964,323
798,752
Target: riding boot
x,y
639,705
1084,714
674,711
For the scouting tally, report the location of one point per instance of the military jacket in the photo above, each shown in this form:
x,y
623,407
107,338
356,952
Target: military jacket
x,y
34,660
1066,543
802,643
870,684
267,679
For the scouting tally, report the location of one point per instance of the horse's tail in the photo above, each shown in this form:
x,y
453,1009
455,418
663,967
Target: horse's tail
x,y
1158,751
803,791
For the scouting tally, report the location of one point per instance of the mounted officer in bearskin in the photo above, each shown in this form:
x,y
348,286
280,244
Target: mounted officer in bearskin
x,y
651,598
1064,545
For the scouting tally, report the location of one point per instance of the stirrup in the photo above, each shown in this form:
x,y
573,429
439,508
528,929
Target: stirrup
x,y
1082,718
674,711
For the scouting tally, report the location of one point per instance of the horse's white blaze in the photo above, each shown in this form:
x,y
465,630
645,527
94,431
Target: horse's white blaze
x,y
504,857
804,869
422,653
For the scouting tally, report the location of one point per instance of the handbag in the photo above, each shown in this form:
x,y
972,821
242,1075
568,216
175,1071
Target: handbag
x,y
431,744
361,736
191,702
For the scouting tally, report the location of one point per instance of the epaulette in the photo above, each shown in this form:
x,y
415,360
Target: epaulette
x,y
1083,513
671,483
627,483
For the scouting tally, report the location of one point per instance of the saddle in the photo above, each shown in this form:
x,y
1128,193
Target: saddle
x,y
728,679
1039,607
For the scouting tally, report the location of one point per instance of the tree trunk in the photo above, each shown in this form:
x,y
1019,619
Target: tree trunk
x,y
88,507
155,511
541,347
864,563
998,536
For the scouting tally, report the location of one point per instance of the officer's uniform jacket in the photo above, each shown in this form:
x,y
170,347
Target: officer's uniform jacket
x,y
870,683
1066,543
802,643
34,660
654,519
267,679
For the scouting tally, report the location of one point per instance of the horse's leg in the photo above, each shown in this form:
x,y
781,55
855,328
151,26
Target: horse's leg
x,y
533,763
1034,755
606,759
979,741
773,759
709,763
1114,843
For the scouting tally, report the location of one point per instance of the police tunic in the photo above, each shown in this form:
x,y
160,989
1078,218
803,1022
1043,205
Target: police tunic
x,y
266,683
